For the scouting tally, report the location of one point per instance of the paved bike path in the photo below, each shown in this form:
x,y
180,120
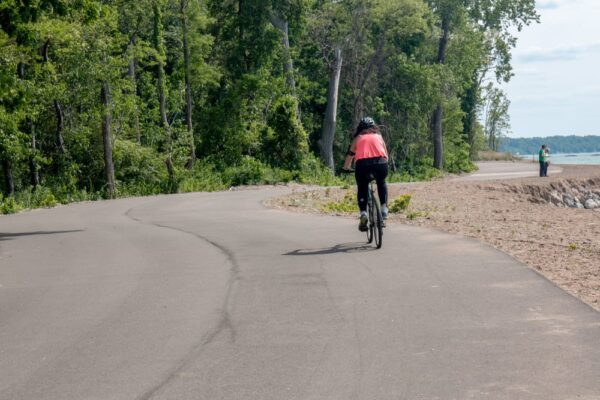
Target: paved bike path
x,y
212,296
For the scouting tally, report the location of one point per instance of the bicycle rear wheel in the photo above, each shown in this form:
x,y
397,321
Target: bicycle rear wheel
x,y
370,225
377,222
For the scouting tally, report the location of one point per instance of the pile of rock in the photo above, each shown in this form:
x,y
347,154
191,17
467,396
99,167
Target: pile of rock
x,y
587,199
562,193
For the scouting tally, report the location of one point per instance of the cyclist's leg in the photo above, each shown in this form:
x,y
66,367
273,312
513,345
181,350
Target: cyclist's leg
x,y
380,171
361,174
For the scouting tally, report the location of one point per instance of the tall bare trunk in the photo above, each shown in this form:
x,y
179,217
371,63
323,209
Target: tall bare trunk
x,y
109,167
131,73
60,117
60,127
29,127
438,138
331,111
8,177
160,71
438,115
188,84
283,26
33,167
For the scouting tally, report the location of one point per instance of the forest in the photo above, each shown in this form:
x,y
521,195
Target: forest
x,y
110,98
558,144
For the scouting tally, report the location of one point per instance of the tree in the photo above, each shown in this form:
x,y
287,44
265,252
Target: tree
x,y
496,117
497,22
450,14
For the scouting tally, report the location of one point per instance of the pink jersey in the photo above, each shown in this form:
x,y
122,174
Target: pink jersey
x,y
370,145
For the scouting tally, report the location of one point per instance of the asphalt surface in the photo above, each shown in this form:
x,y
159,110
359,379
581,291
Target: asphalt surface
x,y
212,296
508,170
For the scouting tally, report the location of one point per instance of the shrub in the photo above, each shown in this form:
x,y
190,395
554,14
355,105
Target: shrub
x,y
139,170
347,205
400,204
284,142
9,205
249,171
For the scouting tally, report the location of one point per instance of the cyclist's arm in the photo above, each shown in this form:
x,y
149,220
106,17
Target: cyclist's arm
x,y
350,155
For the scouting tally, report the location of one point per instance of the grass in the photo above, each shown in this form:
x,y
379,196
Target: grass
x,y
496,156
400,204
346,205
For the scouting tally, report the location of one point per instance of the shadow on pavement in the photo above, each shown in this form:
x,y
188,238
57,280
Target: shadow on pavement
x,y
11,236
338,248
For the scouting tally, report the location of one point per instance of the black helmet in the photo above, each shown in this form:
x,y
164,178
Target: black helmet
x,y
365,123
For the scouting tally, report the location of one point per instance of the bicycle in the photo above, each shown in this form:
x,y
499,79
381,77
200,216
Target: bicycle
x,y
375,222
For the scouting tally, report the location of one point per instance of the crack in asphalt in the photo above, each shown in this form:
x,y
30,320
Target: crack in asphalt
x,y
225,323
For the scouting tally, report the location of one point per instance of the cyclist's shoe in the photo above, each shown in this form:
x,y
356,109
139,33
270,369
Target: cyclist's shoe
x,y
364,220
384,212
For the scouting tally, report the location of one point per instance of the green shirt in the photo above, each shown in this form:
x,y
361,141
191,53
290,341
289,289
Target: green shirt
x,y
542,156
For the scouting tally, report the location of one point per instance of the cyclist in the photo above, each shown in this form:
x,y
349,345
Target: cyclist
x,y
370,154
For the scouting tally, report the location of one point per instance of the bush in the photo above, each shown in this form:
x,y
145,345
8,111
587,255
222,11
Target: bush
x,y
347,205
138,170
9,205
400,204
284,141
203,178
249,171
314,172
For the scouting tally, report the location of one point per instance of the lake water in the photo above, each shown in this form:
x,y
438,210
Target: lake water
x,y
576,158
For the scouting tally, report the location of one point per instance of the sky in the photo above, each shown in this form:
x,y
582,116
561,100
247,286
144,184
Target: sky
x,y
556,87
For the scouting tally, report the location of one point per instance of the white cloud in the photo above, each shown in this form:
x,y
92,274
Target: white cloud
x,y
558,53
556,87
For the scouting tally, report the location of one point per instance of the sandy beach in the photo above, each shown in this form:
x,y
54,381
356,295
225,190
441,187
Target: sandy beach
x,y
517,216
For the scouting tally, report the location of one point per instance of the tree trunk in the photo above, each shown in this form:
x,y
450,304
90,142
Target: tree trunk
x,y
438,138
331,111
8,177
60,127
438,115
109,167
469,107
358,107
33,167
60,117
160,71
29,127
288,66
188,85
131,73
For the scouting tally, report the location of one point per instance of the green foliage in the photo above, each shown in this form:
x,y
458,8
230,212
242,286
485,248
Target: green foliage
x,y
347,205
400,204
251,125
141,169
412,215
285,143
9,205
420,173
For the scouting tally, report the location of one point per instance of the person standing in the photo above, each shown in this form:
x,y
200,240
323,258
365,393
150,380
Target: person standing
x,y
543,159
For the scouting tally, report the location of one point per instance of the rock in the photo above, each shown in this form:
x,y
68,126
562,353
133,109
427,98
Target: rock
x,y
569,201
555,198
591,204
